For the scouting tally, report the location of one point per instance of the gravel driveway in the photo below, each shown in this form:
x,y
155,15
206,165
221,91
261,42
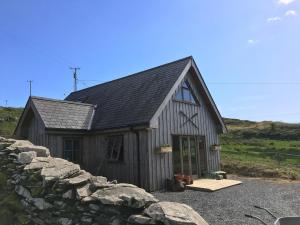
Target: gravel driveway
x,y
228,206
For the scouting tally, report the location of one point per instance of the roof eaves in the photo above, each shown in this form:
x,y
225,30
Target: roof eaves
x,y
61,101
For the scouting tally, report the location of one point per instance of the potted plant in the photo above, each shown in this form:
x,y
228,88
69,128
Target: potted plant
x,y
188,179
216,147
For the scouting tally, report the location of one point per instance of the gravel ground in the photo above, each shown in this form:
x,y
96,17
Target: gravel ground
x,y
228,206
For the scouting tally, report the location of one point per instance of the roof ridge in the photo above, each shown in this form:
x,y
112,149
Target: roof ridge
x,y
133,74
62,101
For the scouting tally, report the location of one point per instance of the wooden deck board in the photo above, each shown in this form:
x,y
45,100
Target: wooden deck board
x,y
211,185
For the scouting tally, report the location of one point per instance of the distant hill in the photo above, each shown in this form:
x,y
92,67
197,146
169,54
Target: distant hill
x,y
261,149
8,120
264,129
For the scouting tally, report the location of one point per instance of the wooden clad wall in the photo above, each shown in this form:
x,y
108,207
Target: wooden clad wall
x,y
170,123
35,130
94,150
94,158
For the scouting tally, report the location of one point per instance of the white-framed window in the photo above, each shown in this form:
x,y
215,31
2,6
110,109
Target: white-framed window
x,y
115,148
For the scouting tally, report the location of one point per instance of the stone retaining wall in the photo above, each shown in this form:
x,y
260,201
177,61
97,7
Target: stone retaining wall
x,y
56,191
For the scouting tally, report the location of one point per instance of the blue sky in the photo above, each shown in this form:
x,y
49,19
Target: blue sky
x,y
248,51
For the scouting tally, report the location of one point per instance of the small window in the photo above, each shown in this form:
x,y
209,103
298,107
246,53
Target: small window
x,y
71,149
185,93
114,150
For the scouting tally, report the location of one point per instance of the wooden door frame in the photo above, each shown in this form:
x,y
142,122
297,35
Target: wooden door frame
x,y
196,137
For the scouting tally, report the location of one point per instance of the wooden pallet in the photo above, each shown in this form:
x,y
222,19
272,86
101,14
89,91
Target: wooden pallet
x,y
211,185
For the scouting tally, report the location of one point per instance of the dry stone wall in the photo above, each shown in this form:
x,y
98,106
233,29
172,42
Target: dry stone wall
x,y
40,189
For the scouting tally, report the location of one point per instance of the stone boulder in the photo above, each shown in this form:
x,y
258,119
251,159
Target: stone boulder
x,y
140,219
124,195
26,157
83,191
68,194
173,213
41,204
39,163
4,145
20,190
41,151
59,169
82,178
20,143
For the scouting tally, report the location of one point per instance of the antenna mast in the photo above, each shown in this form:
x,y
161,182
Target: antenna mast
x,y
75,76
30,82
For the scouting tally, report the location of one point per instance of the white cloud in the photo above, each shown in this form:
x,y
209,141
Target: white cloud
x,y
253,42
273,19
290,13
285,2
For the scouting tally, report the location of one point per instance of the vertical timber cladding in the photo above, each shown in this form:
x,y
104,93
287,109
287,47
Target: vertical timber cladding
x,y
172,122
37,135
35,132
94,158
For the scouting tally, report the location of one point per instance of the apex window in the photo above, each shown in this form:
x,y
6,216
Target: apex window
x,y
185,93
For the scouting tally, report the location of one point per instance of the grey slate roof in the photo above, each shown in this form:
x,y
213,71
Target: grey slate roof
x,y
130,100
63,114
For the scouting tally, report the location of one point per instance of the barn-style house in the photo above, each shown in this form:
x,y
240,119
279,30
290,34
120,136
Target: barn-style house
x,y
142,128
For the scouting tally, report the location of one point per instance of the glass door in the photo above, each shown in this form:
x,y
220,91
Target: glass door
x,y
185,155
193,156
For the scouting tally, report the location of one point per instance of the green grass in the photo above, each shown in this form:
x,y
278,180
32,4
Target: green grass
x,y
8,120
250,148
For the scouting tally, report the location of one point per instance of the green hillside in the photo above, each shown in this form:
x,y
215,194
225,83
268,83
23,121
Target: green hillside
x,y
265,148
8,120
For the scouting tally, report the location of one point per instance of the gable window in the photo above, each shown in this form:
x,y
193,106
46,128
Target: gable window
x,y
185,93
71,149
114,149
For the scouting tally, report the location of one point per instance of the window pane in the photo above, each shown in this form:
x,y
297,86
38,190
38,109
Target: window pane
x,y
192,98
185,155
68,155
179,95
186,94
115,148
185,84
76,156
68,145
176,155
193,152
76,145
71,150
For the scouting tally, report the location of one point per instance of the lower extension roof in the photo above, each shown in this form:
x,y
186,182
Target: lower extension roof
x,y
59,114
